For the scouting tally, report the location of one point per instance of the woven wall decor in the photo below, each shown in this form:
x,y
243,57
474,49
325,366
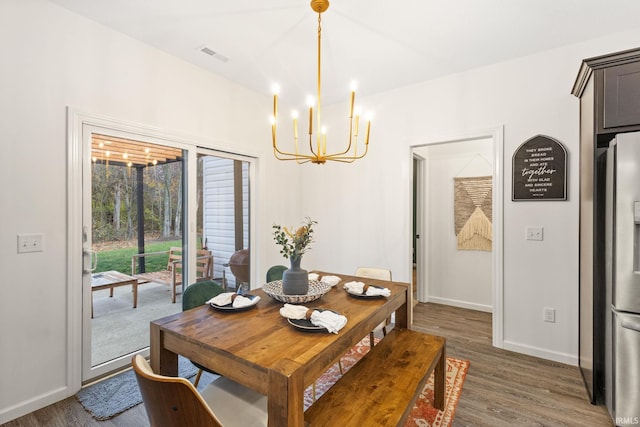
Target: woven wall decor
x,y
472,212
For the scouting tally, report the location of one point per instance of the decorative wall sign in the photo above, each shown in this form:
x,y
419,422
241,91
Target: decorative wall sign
x,y
540,170
472,212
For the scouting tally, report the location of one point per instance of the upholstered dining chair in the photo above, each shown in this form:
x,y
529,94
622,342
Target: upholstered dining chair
x,y
175,402
194,296
380,274
275,272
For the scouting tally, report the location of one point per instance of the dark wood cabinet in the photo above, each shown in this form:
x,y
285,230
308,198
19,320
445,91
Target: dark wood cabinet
x,y
621,103
609,90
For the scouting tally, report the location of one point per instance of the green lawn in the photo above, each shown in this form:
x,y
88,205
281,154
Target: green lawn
x,y
120,259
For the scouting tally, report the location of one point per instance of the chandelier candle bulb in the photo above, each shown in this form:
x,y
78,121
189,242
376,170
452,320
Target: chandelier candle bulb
x,y
353,98
294,114
275,106
366,140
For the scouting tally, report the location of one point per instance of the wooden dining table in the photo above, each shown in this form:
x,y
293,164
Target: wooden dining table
x,y
260,349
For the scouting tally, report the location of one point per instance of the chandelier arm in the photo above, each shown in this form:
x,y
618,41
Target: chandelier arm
x,y
290,156
347,159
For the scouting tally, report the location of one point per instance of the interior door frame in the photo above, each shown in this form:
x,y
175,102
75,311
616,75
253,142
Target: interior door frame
x,y
497,257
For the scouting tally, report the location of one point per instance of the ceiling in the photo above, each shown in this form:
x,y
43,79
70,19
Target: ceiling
x,y
382,44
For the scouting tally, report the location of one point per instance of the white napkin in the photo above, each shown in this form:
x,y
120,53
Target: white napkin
x,y
313,276
328,319
357,288
330,280
295,312
333,322
242,301
225,298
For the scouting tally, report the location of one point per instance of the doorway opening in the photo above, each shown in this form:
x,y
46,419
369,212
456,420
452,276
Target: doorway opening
x,y
447,271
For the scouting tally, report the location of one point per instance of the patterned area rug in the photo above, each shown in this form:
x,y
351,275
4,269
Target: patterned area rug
x,y
423,413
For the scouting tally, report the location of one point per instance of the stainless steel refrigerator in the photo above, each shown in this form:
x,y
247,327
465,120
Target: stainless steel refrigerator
x,y
622,270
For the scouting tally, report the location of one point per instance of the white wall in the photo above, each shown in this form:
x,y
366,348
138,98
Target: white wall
x,y
371,216
52,58
455,277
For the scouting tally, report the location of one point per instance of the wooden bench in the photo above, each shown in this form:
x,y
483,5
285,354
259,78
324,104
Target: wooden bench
x,y
172,275
382,388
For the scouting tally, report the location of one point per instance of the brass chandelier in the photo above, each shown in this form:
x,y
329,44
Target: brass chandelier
x,y
318,154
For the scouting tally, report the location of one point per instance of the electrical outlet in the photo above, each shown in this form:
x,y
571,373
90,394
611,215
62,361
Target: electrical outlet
x,y
30,243
533,233
549,314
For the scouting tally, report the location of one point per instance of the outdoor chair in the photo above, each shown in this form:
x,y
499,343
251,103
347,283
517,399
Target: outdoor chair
x,y
196,295
175,402
172,275
380,274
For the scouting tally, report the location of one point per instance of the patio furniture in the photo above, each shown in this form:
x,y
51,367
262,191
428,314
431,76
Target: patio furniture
x,y
172,275
239,266
172,401
110,280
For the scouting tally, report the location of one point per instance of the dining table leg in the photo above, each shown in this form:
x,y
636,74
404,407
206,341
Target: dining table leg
x,y
403,314
439,376
285,394
163,361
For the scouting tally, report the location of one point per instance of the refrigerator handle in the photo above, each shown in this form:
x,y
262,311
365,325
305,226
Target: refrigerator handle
x,y
636,237
630,324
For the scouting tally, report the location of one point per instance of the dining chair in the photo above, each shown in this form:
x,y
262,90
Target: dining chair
x,y
196,295
380,274
275,272
175,402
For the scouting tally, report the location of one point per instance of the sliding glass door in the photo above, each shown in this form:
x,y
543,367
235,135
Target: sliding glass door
x,y
142,205
223,216
134,233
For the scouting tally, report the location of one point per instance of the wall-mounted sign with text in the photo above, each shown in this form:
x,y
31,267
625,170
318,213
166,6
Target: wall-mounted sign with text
x,y
540,170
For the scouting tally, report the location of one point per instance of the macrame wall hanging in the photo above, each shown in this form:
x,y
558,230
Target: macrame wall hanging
x,y
472,212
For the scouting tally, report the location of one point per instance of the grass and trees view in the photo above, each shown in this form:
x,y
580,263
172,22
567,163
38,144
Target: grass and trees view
x,y
115,222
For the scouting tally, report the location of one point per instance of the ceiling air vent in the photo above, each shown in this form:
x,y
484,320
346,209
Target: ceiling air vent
x,y
210,52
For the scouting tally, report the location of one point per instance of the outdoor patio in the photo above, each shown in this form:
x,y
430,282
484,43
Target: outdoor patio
x,y
118,328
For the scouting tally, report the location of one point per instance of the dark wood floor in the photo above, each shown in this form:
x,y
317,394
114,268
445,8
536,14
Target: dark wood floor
x,y
502,388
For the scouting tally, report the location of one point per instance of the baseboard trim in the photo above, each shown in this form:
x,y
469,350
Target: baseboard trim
x,y
461,304
556,356
28,406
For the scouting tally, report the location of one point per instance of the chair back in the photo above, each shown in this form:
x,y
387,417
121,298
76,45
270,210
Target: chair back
x,y
374,273
275,272
199,293
175,257
171,401
204,264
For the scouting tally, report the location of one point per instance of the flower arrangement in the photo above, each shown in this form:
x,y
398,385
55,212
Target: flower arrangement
x,y
300,239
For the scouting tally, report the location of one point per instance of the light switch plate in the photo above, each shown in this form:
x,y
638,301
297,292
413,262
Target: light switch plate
x,y
534,233
30,243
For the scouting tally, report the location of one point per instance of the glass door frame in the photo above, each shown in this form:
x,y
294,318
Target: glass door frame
x,y
78,154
